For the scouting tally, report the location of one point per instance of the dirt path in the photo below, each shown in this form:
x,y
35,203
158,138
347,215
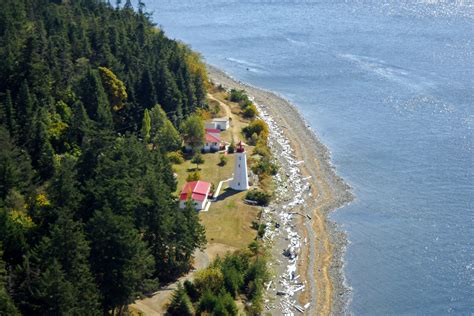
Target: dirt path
x,y
156,305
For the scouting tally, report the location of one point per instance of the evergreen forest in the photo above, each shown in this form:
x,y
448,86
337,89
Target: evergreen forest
x,y
88,222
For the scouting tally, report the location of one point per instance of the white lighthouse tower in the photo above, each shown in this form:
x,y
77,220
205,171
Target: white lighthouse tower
x,y
241,178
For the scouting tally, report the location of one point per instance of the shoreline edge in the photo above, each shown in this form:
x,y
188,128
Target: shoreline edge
x,y
321,257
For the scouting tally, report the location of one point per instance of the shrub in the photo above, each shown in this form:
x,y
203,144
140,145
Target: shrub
x,y
210,279
257,126
238,96
193,176
262,150
175,157
254,139
250,111
261,230
223,160
258,196
231,148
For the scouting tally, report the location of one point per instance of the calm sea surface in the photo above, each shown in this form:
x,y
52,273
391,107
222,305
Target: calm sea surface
x,y
389,88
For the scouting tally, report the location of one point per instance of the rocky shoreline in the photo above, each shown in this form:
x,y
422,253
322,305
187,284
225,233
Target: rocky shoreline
x,y
307,248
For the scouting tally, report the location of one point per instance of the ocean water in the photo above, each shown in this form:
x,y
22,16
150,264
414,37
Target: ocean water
x,y
389,87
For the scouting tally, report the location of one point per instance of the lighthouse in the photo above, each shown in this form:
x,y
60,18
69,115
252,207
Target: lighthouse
x,y
241,179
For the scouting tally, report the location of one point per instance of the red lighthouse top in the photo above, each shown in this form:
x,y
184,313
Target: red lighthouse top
x,y
240,147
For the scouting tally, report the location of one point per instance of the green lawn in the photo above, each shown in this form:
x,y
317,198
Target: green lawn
x,y
229,219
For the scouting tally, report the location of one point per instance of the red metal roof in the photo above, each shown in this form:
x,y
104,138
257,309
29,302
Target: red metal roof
x,y
198,190
212,139
213,131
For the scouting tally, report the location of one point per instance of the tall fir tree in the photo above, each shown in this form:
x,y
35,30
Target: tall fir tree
x,y
24,114
67,245
8,113
120,260
40,149
95,99
7,307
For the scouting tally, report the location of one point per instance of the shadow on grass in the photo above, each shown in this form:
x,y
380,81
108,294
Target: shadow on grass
x,y
193,169
228,192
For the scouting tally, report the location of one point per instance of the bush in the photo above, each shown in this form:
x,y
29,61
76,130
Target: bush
x,y
175,157
258,127
238,96
231,148
261,150
193,176
261,230
258,196
223,160
198,160
250,111
265,166
210,279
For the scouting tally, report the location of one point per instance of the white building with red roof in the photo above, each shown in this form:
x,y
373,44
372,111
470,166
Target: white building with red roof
x,y
213,140
197,191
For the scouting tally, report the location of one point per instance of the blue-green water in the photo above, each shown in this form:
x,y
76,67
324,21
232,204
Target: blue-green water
x,y
388,86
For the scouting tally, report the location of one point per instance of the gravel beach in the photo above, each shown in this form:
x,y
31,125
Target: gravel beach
x,y
306,247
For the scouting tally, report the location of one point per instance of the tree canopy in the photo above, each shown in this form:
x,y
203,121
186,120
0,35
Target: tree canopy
x,y
88,221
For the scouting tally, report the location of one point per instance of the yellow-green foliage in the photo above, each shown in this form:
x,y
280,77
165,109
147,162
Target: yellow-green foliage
x,y
258,127
21,218
42,200
16,207
114,87
195,64
56,126
175,157
193,176
209,279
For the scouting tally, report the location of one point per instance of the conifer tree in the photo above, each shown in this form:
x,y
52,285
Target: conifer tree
x,y
15,167
24,113
146,126
64,188
51,293
68,247
7,307
9,114
94,99
79,125
41,151
120,259
180,303
146,94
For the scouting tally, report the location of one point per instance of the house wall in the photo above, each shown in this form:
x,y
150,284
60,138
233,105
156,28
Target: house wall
x,y
211,125
209,146
222,125
197,205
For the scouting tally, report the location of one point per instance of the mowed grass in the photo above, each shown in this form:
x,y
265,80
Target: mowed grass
x,y
210,170
229,220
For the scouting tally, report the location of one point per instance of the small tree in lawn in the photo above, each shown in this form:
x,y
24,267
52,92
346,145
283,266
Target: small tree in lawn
x,y
222,160
231,148
198,160
194,132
